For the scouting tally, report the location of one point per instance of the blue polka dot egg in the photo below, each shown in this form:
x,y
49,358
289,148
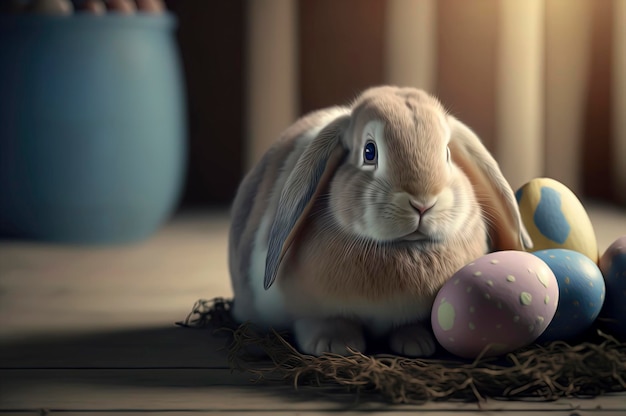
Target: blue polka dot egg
x,y
581,293
500,302
555,218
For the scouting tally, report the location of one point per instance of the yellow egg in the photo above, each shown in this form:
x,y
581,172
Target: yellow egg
x,y
555,218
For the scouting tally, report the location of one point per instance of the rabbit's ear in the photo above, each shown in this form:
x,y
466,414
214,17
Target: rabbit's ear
x,y
311,174
493,192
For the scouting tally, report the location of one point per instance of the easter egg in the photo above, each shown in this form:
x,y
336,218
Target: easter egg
x,y
555,218
613,267
581,293
502,301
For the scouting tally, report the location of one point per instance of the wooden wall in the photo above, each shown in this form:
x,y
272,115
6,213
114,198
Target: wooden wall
x,y
211,36
341,51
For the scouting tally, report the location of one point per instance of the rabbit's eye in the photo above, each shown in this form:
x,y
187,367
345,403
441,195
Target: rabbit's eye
x,y
370,155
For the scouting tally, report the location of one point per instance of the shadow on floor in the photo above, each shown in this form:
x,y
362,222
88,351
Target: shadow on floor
x,y
170,357
167,347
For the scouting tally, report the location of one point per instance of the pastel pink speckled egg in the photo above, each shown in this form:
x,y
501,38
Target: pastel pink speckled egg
x,y
503,300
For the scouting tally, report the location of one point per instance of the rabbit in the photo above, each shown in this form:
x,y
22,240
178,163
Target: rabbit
x,y
353,220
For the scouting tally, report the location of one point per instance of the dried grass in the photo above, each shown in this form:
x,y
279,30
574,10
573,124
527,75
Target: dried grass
x,y
539,372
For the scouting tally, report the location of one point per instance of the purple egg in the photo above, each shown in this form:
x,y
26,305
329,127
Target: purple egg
x,y
613,267
503,300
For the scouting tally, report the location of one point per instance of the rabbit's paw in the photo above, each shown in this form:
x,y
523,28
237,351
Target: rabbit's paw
x,y
412,341
334,335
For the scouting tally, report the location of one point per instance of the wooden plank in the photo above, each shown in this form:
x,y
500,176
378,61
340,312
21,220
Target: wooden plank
x,y
218,390
113,306
46,287
163,347
26,413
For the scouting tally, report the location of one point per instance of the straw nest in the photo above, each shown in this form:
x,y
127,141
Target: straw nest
x,y
588,368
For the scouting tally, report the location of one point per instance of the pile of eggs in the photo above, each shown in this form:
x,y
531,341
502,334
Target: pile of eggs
x,y
506,300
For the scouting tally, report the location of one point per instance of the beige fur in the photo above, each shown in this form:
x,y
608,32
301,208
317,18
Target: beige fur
x,y
359,255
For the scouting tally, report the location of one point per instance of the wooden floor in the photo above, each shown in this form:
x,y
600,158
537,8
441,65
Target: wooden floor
x,y
91,331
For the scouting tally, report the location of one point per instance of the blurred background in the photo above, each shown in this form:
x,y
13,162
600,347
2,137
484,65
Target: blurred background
x,y
541,81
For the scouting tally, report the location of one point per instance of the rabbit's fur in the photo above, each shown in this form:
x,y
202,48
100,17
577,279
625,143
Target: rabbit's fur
x,y
358,245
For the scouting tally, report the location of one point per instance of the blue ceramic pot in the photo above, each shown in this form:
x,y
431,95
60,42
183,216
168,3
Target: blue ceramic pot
x,y
92,126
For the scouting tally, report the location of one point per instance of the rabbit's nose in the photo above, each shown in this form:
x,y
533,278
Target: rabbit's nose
x,y
420,206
